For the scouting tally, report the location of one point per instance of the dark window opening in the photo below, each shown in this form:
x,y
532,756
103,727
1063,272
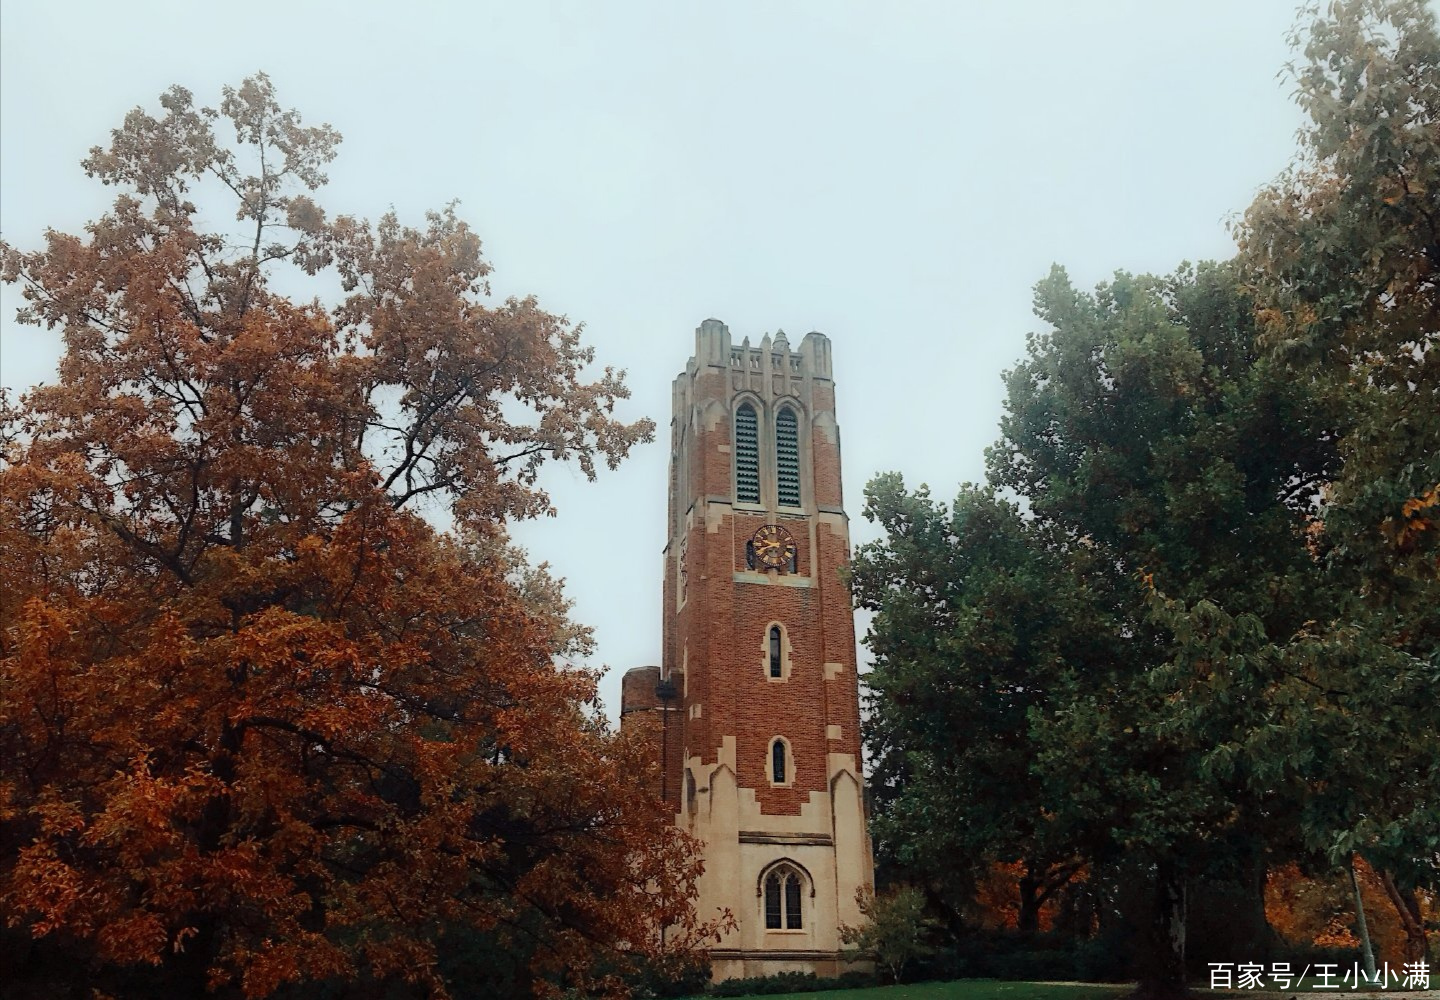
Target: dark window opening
x,y
787,458
747,455
772,902
749,555
792,902
774,650
782,899
777,762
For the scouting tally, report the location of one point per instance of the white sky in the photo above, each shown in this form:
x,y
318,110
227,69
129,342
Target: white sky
x,y
897,176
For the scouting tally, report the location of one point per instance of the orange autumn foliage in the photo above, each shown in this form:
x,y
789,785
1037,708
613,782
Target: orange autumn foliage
x,y
997,898
1310,910
260,724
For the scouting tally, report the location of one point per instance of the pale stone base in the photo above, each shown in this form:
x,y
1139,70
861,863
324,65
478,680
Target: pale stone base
x,y
731,963
827,841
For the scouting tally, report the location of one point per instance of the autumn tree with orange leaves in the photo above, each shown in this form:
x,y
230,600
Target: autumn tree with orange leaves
x,y
263,729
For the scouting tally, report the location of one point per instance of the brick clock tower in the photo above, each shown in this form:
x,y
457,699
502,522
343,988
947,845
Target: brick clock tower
x,y
757,701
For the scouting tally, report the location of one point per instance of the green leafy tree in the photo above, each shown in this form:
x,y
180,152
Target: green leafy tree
x,y
1248,459
1146,427
1343,251
896,931
1028,666
977,617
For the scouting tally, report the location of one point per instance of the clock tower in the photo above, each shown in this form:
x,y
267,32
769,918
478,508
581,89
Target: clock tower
x,y
756,701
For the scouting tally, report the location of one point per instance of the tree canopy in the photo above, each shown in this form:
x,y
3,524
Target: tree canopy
x,y
1204,566
1343,254
262,725
1158,456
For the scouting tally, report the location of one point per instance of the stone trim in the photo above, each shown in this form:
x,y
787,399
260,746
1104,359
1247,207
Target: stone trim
x,y
784,580
798,953
784,839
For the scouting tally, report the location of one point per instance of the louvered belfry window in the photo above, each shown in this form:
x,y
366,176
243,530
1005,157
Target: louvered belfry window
x,y
787,458
747,455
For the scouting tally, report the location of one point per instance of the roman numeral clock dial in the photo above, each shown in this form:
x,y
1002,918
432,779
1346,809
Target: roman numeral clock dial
x,y
774,547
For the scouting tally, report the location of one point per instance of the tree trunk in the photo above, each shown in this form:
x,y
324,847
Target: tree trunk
x,y
1254,870
1366,952
1407,905
1028,921
1040,882
1160,965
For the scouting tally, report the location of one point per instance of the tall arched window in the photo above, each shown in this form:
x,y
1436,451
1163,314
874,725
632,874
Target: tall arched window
x,y
792,903
747,455
775,670
777,762
787,458
782,899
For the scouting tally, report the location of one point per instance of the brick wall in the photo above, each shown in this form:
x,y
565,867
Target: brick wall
x,y
719,635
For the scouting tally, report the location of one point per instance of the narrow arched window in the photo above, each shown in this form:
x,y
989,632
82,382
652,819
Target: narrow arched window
x,y
787,458
783,894
773,896
777,762
774,650
749,554
747,455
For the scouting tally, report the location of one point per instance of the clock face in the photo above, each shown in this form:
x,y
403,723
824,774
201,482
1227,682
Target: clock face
x,y
774,547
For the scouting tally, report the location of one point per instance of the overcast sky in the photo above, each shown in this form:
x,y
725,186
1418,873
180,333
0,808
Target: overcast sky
x,y
897,176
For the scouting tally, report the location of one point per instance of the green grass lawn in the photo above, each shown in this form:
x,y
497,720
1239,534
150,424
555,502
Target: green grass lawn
x,y
995,989
967,989
1004,990
1311,987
